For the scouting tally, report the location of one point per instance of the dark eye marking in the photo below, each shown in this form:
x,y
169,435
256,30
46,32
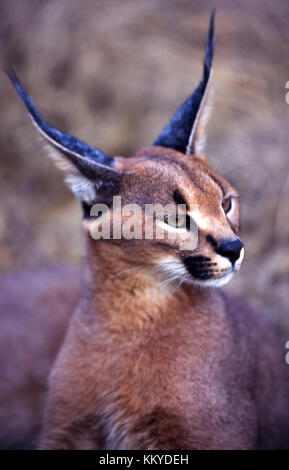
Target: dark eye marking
x,y
179,198
188,223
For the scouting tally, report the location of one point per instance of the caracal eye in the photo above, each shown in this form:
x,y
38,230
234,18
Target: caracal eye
x,y
176,220
227,204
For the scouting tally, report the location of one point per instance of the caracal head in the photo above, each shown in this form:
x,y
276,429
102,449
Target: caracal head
x,y
163,211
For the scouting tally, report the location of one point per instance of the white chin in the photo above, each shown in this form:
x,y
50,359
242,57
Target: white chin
x,y
221,281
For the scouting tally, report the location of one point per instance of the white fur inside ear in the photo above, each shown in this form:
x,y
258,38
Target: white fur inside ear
x,y
200,145
83,189
200,132
61,162
197,138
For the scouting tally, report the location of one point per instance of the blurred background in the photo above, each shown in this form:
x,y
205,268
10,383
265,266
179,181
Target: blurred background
x,y
112,73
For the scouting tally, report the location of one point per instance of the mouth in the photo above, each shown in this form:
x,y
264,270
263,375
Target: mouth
x,y
206,273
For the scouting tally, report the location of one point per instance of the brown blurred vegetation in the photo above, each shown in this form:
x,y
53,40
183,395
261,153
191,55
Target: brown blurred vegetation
x,y
112,72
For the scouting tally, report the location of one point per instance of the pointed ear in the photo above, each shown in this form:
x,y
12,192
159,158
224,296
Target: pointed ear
x,y
186,130
91,175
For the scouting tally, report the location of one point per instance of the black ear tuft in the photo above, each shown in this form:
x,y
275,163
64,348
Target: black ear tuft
x,y
180,132
64,142
91,174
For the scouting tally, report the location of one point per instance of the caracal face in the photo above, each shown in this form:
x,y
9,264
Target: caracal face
x,y
193,235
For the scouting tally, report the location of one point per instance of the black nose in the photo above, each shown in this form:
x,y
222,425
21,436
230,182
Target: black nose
x,y
231,249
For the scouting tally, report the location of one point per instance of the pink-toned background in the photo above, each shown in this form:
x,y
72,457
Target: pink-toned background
x,y
112,72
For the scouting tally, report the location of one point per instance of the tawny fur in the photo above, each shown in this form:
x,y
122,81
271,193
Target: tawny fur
x,y
149,368
153,358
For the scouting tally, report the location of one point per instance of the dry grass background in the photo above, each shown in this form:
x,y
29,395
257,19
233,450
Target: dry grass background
x,y
112,72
